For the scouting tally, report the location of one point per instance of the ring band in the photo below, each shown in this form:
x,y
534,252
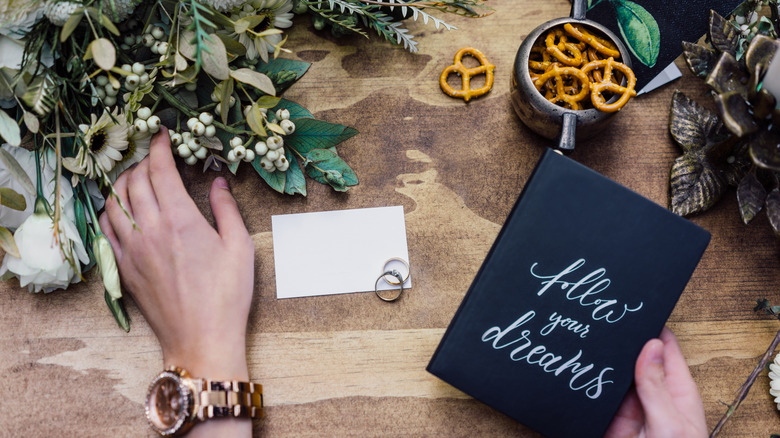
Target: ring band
x,y
392,280
395,274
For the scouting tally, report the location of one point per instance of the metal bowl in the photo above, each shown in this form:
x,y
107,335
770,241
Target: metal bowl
x,y
544,117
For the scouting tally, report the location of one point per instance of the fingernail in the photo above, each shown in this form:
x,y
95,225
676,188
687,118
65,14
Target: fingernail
x,y
656,353
221,183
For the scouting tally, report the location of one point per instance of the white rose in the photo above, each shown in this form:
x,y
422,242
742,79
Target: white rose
x,y
42,266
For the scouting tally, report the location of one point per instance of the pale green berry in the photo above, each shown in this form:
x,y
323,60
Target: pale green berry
x,y
282,114
194,144
158,32
191,122
141,126
232,156
102,80
176,139
201,153
109,101
264,110
211,131
183,151
240,152
214,98
267,165
162,49
232,101
280,162
272,155
132,81
186,137
246,110
288,126
206,118
192,159
127,67
199,129
129,40
191,86
101,92
274,142
261,148
154,124
218,108
148,40
145,78
139,68
236,141
284,167
111,91
250,156
156,48
144,112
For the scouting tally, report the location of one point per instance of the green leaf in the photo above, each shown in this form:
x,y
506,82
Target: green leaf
x,y
12,200
639,30
32,122
226,90
250,22
254,119
70,25
315,134
233,47
283,72
8,243
104,53
751,195
296,182
268,101
215,60
276,180
81,219
16,171
324,166
255,79
296,111
117,308
9,129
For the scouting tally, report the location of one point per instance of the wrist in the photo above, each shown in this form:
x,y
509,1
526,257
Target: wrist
x,y
219,362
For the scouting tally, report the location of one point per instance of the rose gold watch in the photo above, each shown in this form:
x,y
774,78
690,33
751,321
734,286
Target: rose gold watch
x,y
176,401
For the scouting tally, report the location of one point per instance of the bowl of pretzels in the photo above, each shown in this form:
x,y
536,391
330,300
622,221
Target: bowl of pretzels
x,y
571,76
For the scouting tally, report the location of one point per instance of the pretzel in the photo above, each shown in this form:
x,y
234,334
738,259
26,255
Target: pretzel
x,y
556,77
558,50
466,93
603,46
607,85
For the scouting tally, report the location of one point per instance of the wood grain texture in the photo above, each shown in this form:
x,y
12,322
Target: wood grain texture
x,y
350,365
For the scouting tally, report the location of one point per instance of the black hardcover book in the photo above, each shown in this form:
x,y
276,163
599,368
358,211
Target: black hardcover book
x,y
582,274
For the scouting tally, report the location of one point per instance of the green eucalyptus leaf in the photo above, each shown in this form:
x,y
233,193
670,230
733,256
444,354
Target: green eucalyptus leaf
x,y
296,111
695,185
215,61
315,134
254,119
71,23
751,195
283,72
117,308
233,47
8,243
268,101
700,59
15,169
12,200
723,35
277,180
255,79
243,24
9,129
773,209
639,30
32,122
226,91
296,181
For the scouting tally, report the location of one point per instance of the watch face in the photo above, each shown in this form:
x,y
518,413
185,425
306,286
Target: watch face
x,y
167,403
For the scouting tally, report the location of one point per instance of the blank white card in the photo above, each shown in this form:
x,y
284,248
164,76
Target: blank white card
x,y
334,252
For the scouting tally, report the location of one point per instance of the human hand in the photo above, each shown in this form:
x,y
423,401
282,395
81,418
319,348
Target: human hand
x,y
665,401
192,283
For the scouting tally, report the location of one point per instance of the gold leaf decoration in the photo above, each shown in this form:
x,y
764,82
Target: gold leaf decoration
x,y
773,209
696,185
692,125
750,196
700,59
722,35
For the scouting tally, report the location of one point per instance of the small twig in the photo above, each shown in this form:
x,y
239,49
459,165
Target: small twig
x,y
743,391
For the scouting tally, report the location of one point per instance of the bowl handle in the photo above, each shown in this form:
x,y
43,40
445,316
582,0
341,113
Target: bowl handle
x,y
578,9
568,130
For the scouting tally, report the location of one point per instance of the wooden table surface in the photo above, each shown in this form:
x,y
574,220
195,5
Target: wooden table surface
x,y
351,365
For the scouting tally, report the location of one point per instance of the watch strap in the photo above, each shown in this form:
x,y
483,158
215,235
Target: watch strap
x,y
228,398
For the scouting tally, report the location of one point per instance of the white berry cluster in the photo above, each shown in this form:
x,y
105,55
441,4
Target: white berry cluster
x,y
137,75
59,12
273,154
105,91
215,98
240,151
156,40
188,144
146,122
283,119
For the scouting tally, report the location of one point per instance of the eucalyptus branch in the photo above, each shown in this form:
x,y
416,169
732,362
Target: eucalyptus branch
x,y
745,388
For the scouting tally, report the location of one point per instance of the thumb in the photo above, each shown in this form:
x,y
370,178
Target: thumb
x,y
651,387
229,223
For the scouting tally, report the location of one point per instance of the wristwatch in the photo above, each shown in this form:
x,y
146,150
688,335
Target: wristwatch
x,y
176,401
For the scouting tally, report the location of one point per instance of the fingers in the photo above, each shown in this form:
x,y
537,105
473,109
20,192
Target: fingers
x,y
229,223
142,196
681,385
164,177
651,386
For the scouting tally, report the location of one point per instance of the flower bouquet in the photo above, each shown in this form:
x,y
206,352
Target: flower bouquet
x,y
85,84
